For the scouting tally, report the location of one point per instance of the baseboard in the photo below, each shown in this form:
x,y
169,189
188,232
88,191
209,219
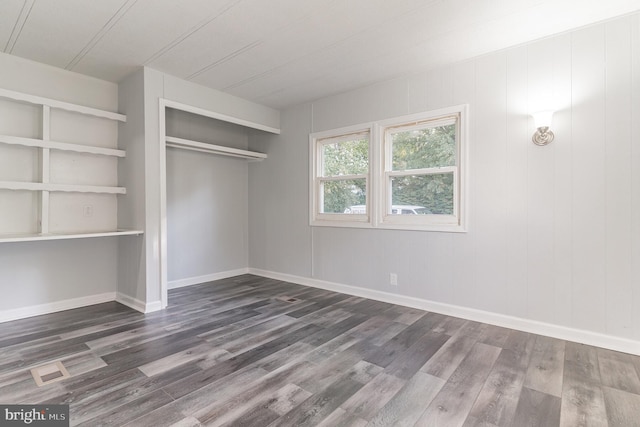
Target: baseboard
x,y
138,305
624,345
206,278
52,307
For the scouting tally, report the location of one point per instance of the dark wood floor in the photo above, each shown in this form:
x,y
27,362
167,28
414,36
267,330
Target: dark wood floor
x,y
232,353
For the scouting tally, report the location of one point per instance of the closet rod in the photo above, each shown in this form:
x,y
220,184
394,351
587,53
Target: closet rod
x,y
187,144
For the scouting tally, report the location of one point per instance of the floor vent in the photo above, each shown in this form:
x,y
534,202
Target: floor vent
x,y
290,300
49,373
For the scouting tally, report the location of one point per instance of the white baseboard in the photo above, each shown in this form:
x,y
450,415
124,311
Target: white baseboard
x,y
138,305
52,307
206,278
532,326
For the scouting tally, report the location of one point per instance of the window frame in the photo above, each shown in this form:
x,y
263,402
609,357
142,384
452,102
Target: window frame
x,y
378,178
317,140
455,222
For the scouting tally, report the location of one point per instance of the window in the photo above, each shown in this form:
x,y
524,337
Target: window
x,y
417,183
421,179
341,176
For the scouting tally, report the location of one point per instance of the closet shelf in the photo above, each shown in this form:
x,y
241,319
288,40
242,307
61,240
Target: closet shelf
x,y
61,105
72,188
39,143
12,238
213,149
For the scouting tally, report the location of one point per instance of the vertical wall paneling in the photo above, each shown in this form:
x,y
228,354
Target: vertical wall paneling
x,y
131,169
589,228
279,196
562,184
464,278
540,186
489,163
374,102
635,174
516,195
154,88
426,92
618,176
553,232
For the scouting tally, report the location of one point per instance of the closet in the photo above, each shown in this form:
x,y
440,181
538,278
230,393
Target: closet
x,y
206,197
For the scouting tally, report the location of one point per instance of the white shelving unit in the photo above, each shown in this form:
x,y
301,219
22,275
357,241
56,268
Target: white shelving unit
x,y
63,166
9,238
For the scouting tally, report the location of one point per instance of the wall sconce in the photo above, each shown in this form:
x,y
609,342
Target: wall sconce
x,y
542,122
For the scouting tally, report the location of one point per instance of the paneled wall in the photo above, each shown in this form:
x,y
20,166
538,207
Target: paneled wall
x,y
554,232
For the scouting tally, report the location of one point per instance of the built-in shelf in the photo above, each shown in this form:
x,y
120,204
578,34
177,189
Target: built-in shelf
x,y
68,188
61,105
54,145
213,149
76,205
12,238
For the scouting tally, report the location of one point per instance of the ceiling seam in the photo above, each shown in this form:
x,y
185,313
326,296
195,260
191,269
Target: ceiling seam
x,y
19,25
225,59
190,32
100,34
315,52
249,46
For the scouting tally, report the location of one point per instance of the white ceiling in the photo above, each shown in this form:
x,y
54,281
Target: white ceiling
x,y
281,52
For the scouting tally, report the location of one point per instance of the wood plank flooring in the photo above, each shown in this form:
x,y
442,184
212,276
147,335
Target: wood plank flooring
x,y
234,353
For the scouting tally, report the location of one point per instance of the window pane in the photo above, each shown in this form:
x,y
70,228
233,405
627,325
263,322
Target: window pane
x,y
345,196
346,157
422,194
424,148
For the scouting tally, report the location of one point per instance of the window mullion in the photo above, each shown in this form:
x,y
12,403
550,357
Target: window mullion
x,y
343,177
426,171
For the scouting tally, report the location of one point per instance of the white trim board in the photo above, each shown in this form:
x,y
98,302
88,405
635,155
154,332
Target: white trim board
x,y
5,238
53,307
71,188
70,304
54,103
624,345
190,281
138,305
219,116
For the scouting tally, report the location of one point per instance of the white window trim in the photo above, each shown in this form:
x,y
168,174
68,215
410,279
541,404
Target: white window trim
x,y
378,197
318,218
445,223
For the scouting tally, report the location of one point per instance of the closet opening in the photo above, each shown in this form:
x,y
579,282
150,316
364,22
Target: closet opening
x,y
204,195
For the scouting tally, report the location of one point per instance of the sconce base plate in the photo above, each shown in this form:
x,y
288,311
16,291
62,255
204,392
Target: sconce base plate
x,y
543,136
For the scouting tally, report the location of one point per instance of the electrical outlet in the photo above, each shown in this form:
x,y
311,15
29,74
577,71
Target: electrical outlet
x,y
393,279
87,211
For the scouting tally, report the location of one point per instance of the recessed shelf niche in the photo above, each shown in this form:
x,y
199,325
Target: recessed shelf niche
x,y
58,169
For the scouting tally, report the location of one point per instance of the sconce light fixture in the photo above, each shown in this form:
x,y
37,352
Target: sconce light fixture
x,y
542,122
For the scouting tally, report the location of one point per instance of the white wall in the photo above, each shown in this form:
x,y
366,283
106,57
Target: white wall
x,y
46,273
279,232
131,207
207,201
554,232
